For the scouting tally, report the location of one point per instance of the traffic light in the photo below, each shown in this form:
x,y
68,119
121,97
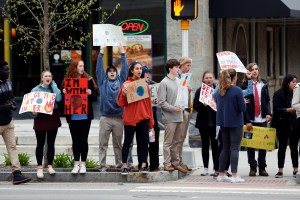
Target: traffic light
x,y
184,9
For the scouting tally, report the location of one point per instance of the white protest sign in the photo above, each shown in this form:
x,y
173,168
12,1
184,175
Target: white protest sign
x,y
108,35
182,99
153,92
229,60
40,102
185,79
206,96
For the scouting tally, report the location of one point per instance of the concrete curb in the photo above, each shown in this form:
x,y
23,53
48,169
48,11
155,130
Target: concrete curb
x,y
298,178
132,177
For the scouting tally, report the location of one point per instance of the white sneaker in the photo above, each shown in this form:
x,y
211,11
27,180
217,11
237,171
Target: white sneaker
x,y
237,179
223,179
82,168
40,173
205,172
76,169
51,171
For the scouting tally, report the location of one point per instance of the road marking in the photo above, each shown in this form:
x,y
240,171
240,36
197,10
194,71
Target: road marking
x,y
215,190
58,189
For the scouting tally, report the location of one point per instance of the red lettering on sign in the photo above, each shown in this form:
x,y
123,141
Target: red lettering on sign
x,y
128,26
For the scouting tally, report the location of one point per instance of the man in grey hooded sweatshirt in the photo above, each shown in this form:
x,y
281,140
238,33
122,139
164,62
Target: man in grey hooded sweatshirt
x,y
109,83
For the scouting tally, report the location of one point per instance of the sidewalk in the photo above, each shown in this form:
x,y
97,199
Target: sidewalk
x,y
24,128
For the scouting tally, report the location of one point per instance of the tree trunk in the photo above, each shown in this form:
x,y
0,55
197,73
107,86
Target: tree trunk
x,y
46,36
46,61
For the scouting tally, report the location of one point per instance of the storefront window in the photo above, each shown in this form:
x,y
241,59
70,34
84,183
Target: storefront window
x,y
143,22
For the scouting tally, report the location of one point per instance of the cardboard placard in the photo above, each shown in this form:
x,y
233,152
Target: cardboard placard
x,y
76,96
137,90
40,102
259,138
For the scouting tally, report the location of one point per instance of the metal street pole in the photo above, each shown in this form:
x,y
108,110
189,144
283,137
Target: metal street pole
x,y
185,26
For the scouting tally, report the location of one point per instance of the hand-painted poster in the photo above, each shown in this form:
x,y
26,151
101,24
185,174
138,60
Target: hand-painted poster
x,y
185,79
229,60
182,99
139,47
40,102
259,138
76,96
153,92
108,35
137,90
206,96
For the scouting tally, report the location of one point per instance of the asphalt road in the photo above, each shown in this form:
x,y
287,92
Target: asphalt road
x,y
172,191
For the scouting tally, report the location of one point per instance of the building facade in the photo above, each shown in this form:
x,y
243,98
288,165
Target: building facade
x,y
266,32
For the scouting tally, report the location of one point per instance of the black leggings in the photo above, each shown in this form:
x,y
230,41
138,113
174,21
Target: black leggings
x,y
285,135
208,136
80,132
142,137
232,137
40,139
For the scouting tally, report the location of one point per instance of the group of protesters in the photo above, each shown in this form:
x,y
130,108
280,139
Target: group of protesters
x,y
247,105
236,106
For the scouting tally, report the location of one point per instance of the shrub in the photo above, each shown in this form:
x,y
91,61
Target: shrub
x,y
63,160
24,159
90,163
6,160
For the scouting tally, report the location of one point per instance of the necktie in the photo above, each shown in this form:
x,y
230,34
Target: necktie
x,y
256,101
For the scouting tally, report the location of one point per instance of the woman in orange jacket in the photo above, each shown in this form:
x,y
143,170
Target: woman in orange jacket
x,y
137,118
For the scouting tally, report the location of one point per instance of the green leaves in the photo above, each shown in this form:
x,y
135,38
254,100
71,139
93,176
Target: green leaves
x,y
33,18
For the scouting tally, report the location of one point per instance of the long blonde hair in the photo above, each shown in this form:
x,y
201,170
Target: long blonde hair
x,y
225,80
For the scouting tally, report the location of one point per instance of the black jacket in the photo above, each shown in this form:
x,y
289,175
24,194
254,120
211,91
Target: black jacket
x,y
91,98
6,102
206,116
265,102
282,118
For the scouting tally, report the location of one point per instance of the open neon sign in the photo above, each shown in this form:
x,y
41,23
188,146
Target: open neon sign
x,y
134,26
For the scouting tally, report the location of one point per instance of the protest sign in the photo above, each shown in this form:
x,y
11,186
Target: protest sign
x,y
182,99
40,102
259,138
185,79
153,92
229,60
76,96
206,96
137,90
108,35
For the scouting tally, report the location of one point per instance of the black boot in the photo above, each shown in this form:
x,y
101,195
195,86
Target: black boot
x,y
263,172
253,171
19,178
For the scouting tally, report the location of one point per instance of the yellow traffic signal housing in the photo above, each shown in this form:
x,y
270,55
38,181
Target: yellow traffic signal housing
x,y
184,9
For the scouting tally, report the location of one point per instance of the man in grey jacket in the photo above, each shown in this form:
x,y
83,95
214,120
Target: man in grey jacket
x,y
172,116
